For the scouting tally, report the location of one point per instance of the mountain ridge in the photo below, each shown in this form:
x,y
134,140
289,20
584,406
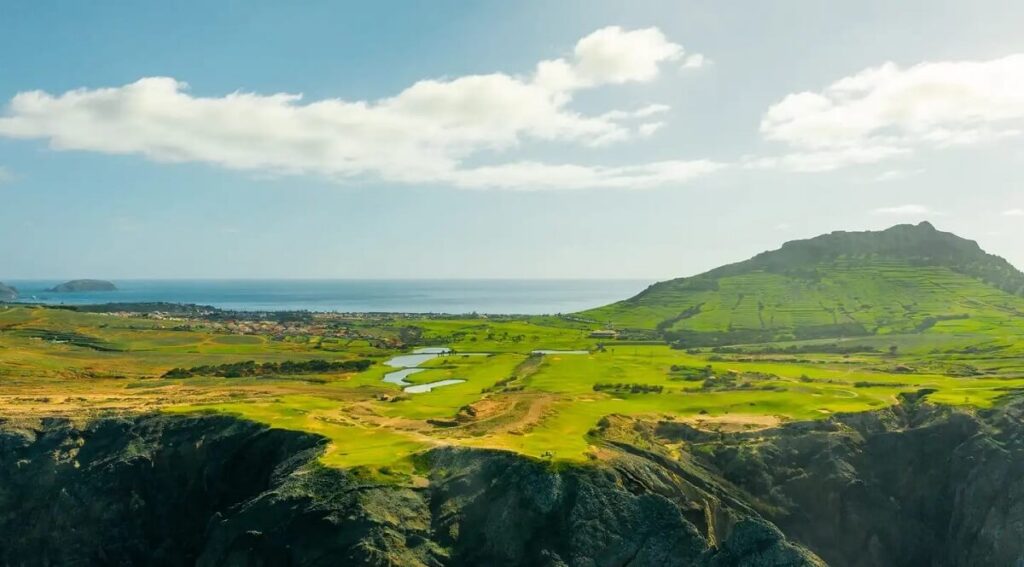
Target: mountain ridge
x,y
946,245
906,278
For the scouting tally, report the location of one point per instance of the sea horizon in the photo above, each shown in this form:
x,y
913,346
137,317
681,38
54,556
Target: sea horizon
x,y
525,296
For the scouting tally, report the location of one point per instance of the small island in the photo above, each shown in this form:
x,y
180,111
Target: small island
x,y
7,293
83,285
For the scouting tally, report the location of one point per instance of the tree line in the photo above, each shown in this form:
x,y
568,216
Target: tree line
x,y
252,368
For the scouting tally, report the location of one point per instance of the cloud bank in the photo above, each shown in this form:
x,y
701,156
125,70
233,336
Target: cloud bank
x,y
464,131
888,111
907,210
435,131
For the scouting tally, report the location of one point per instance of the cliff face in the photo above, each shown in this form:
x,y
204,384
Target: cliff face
x,y
912,485
131,491
216,491
485,508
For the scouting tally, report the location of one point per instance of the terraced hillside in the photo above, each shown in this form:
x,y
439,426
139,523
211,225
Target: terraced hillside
x,y
906,279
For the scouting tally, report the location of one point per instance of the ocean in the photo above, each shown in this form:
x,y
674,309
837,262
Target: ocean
x,y
528,297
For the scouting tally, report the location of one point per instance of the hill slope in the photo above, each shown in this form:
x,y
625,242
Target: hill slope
x,y
7,293
904,279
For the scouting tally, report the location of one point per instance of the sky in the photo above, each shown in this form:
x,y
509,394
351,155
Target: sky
x,y
495,139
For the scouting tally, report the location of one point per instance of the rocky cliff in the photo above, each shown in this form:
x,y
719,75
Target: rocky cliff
x,y
915,484
217,491
912,485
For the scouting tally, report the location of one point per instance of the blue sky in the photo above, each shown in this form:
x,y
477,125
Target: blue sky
x,y
495,139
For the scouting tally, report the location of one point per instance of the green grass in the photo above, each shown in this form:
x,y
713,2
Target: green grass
x,y
517,335
352,444
543,407
882,297
906,279
479,372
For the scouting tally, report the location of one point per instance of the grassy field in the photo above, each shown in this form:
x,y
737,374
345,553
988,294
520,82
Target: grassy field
x,y
81,365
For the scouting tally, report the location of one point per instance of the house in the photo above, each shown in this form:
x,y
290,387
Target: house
x,y
604,334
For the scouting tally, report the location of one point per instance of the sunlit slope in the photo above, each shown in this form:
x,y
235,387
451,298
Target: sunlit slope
x,y
905,279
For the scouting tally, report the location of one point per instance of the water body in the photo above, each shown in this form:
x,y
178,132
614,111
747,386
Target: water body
x,y
424,388
399,376
408,364
528,297
418,357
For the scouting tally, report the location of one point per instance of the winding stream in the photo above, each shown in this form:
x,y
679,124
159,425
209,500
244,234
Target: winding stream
x,y
408,364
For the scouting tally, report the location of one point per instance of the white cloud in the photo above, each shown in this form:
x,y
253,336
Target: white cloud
x,y
1014,213
695,61
825,160
897,174
928,105
906,211
651,110
538,176
425,134
649,128
614,55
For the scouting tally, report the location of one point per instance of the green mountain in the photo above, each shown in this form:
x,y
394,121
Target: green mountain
x,y
909,278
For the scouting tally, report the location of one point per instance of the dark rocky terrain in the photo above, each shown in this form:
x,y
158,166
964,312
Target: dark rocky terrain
x,y
915,484
218,491
912,485
83,285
